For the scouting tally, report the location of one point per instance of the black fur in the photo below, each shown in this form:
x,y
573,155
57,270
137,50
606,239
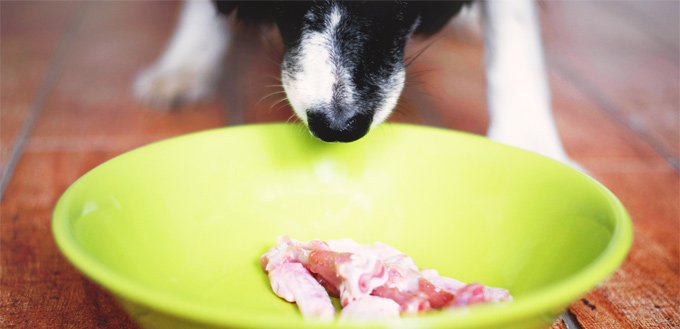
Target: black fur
x,y
369,43
433,14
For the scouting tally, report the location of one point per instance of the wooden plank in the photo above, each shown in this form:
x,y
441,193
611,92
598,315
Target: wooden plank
x,y
89,118
39,288
622,67
641,294
30,32
93,98
660,21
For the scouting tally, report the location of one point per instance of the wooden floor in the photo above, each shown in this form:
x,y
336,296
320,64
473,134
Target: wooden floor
x,y
67,106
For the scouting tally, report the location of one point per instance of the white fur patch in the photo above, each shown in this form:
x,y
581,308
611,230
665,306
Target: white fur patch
x,y
191,63
392,91
316,82
518,94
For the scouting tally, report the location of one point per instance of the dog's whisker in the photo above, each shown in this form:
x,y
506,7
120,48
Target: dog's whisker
x,y
403,108
294,118
278,102
415,56
289,118
281,107
418,74
273,77
414,83
405,101
412,79
269,95
303,128
277,62
270,46
431,96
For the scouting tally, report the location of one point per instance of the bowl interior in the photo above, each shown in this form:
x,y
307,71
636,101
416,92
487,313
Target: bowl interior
x,y
191,216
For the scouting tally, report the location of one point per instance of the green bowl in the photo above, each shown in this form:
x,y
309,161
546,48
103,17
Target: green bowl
x,y
175,229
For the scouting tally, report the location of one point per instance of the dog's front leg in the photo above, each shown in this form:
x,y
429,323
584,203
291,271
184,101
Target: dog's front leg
x,y
192,61
518,94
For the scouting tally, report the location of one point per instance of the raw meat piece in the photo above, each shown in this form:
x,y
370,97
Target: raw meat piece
x,y
370,280
407,287
370,307
380,250
467,294
290,250
294,283
354,275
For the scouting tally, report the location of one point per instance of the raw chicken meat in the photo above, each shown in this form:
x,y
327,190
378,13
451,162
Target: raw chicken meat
x,y
354,275
466,294
370,307
294,283
372,281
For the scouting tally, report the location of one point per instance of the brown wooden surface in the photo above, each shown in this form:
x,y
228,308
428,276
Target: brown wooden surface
x,y
614,77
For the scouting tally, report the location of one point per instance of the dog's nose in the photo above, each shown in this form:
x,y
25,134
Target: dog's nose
x,y
329,128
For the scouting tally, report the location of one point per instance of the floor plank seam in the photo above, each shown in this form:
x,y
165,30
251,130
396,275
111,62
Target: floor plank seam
x,y
44,89
570,321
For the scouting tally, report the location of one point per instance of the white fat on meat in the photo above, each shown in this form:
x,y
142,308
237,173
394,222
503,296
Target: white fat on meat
x,y
380,250
290,250
404,273
442,282
370,308
360,275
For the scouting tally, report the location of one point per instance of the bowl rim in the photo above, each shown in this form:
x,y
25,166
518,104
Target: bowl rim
x,y
547,302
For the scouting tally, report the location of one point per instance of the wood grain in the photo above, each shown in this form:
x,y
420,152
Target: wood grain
x,y
621,125
94,102
603,43
39,288
30,35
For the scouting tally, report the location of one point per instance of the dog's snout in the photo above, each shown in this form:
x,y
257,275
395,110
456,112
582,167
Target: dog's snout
x,y
332,128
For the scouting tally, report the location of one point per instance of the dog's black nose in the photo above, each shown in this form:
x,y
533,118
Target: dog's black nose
x,y
331,128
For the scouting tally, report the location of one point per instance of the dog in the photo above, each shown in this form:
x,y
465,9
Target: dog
x,y
343,66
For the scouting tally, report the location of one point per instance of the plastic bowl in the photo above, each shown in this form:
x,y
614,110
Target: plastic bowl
x,y
175,229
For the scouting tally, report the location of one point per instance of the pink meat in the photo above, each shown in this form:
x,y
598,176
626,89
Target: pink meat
x,y
407,287
290,250
294,283
370,307
467,294
370,280
353,275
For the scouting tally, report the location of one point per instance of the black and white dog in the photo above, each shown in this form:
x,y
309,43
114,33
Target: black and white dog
x,y
343,66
